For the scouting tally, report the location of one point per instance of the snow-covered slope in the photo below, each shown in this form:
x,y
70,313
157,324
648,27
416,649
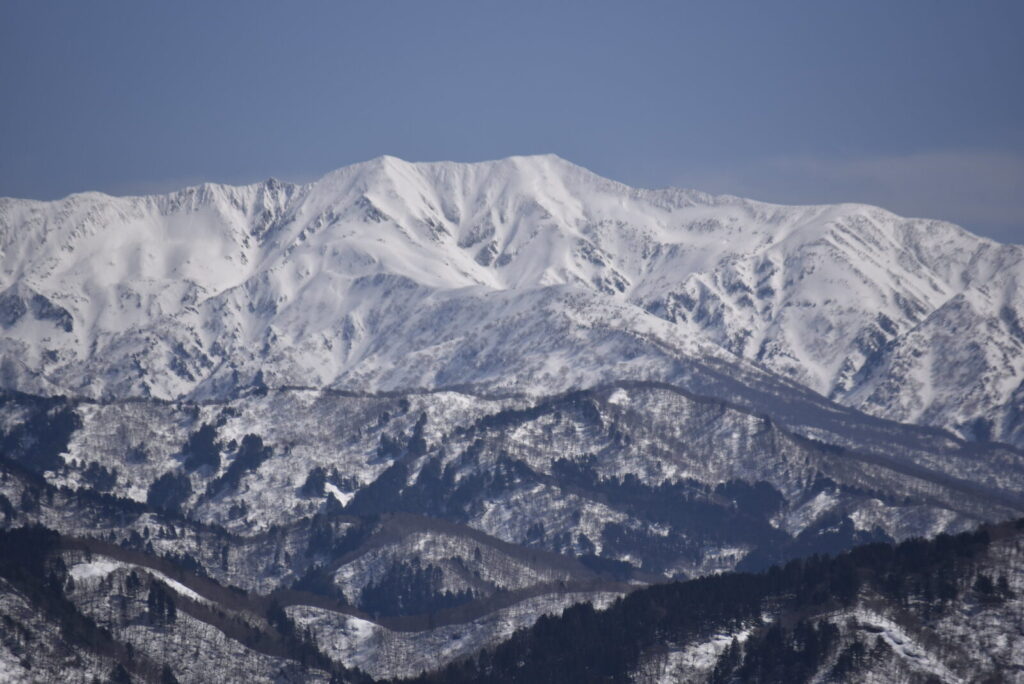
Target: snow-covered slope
x,y
527,274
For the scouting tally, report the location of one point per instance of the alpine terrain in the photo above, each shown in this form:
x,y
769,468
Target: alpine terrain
x,y
369,427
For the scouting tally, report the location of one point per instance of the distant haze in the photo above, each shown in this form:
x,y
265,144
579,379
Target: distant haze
x,y
915,106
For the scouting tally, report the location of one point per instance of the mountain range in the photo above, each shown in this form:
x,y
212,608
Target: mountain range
x,y
370,425
527,275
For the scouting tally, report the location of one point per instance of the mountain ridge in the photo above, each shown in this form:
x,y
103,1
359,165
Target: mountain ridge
x,y
383,267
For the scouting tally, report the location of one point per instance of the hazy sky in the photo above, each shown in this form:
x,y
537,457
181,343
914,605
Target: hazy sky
x,y
917,106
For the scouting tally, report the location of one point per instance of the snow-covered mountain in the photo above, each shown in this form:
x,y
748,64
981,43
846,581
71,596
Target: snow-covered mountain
x,y
386,419
525,275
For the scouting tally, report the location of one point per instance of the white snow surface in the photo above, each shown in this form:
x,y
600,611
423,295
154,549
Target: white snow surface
x,y
342,497
94,570
385,653
527,274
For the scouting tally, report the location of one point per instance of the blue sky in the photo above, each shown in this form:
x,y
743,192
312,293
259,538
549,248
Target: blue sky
x,y
917,106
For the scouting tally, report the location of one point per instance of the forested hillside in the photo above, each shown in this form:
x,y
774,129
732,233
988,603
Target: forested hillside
x,y
946,609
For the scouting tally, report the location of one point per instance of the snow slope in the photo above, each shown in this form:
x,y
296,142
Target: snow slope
x,y
526,275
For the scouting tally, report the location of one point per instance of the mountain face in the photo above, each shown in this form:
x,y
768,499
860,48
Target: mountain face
x,y
527,275
369,426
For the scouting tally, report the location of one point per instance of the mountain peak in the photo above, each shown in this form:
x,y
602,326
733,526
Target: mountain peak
x,y
517,164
